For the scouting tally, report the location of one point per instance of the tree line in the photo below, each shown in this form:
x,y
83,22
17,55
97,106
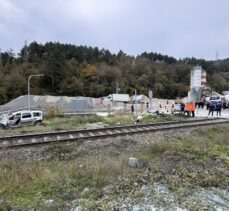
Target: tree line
x,y
86,71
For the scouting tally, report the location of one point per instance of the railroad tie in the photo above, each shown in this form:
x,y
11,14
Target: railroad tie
x,y
91,134
81,135
70,136
20,141
118,131
33,140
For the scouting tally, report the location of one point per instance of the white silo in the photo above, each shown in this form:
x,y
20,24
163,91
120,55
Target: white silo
x,y
197,83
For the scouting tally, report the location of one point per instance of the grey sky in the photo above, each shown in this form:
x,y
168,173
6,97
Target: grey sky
x,y
179,28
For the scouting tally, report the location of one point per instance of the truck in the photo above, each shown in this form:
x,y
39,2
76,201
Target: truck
x,y
119,97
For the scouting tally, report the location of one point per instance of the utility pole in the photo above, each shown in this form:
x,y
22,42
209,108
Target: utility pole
x,y
1,65
150,97
26,54
117,88
135,101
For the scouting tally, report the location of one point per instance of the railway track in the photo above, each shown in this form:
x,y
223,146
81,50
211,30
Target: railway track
x,y
77,135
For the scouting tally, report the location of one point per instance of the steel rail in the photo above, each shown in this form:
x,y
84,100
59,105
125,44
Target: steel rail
x,y
76,135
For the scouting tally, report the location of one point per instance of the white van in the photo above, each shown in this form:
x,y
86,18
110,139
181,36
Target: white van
x,y
21,118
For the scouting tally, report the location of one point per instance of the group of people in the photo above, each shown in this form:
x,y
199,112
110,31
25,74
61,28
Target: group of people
x,y
214,106
211,107
189,108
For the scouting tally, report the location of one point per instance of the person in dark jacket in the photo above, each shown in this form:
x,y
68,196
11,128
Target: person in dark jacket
x,y
208,105
211,109
182,105
218,108
132,108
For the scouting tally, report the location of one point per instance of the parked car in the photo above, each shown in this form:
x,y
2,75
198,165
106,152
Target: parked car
x,y
21,118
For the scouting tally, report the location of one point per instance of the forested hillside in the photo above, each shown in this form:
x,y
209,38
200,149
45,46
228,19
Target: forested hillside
x,y
80,70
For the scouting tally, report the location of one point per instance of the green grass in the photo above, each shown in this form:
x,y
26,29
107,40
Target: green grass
x,y
22,181
184,162
199,160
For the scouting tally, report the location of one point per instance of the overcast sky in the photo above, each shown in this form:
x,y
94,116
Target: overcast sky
x,y
179,28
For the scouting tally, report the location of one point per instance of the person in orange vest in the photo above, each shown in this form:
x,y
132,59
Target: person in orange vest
x,y
190,108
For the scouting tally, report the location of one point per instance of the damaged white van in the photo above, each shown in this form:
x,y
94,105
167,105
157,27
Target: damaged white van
x,y
21,118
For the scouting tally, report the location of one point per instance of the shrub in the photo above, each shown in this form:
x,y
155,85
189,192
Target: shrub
x,y
51,112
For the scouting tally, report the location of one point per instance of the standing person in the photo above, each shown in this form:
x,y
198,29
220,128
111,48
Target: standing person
x,y
218,108
211,109
147,106
193,107
182,106
172,110
208,105
132,108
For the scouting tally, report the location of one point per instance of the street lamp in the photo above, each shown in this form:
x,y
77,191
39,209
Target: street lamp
x,y
38,75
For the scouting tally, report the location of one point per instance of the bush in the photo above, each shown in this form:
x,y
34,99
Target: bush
x,y
51,112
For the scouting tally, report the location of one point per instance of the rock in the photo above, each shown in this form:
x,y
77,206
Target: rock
x,y
85,191
81,166
136,163
135,184
49,202
133,162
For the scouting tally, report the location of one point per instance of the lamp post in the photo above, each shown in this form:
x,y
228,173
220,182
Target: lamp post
x,y
38,75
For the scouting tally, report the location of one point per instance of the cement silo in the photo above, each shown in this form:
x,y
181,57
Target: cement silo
x,y
198,81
